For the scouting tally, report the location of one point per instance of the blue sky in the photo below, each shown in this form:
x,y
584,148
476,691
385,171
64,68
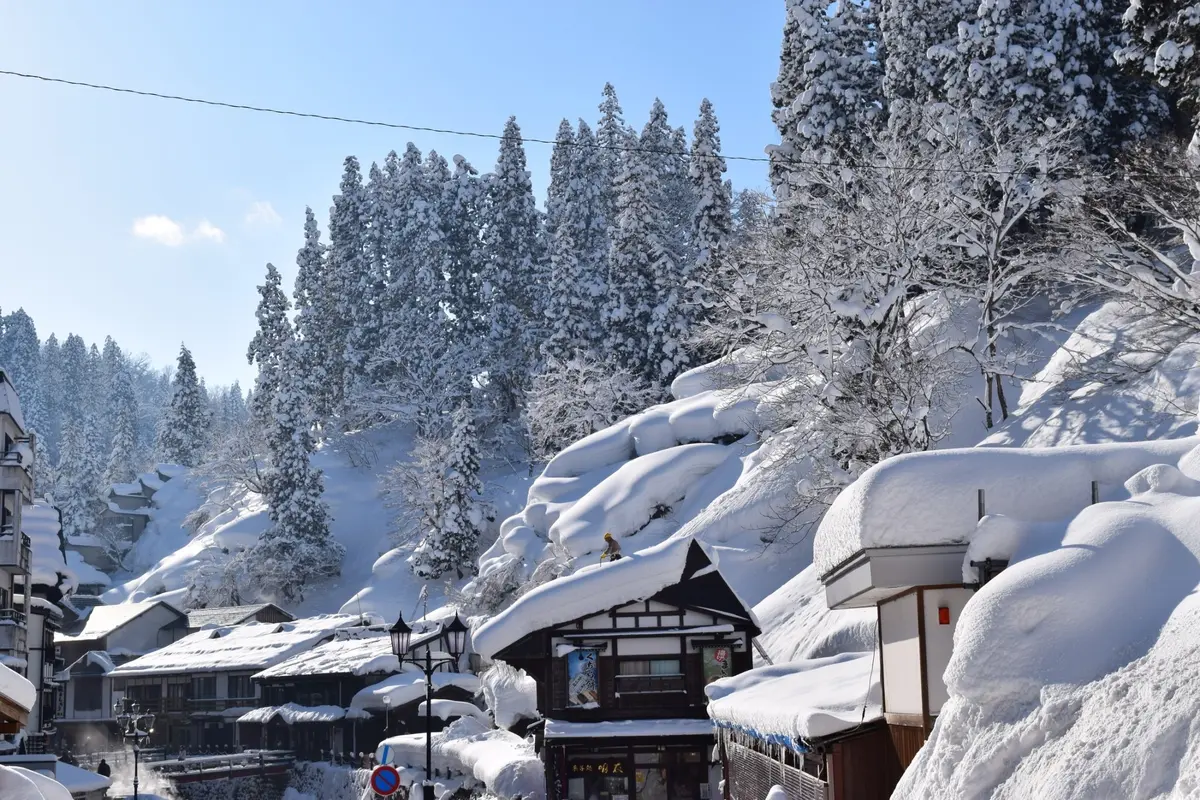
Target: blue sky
x,y
152,221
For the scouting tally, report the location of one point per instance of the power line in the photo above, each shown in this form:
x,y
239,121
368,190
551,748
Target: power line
x,y
502,137
335,118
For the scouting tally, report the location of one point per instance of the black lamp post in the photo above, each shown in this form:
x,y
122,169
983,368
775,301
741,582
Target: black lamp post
x,y
134,724
456,644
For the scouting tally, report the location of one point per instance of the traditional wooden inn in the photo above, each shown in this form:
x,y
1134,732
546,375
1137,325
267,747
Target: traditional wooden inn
x,y
346,695
202,684
621,653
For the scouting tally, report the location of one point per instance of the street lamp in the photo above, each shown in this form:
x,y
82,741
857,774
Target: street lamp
x,y
133,724
456,644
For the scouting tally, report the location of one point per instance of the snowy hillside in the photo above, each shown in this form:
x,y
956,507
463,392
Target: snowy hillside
x,y
375,578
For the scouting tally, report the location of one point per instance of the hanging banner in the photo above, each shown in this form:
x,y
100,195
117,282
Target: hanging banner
x,y
716,663
583,678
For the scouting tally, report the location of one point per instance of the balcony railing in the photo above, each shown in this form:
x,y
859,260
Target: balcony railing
x,y
12,633
15,550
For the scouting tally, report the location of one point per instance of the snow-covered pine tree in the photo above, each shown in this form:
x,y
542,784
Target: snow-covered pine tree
x,y
77,380
560,179
52,396
578,253
234,408
911,78
266,348
829,94
183,430
297,549
75,489
22,361
1161,40
512,282
461,207
1048,64
373,284
314,298
711,224
122,417
613,136
451,541
636,257
355,324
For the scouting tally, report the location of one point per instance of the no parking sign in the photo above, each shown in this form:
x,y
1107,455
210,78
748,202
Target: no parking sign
x,y
385,780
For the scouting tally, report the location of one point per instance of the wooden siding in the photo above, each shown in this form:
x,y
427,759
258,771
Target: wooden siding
x,y
865,766
906,741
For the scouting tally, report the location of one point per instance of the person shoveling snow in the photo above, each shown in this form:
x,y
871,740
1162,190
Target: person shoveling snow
x,y
612,549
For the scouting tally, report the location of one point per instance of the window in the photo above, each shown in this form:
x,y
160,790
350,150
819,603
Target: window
x,y
650,675
204,687
240,686
89,693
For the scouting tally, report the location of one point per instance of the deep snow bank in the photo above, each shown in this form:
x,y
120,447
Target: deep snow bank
x,y
1070,676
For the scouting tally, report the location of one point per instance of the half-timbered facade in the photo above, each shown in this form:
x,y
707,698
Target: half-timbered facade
x,y
621,685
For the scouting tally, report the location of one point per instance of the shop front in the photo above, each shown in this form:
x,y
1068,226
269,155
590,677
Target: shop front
x,y
609,767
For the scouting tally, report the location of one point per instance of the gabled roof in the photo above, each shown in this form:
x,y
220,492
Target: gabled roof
x,y
224,616
92,661
679,572
252,646
106,620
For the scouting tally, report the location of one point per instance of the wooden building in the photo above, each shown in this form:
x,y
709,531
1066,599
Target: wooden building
x,y
224,616
346,695
621,660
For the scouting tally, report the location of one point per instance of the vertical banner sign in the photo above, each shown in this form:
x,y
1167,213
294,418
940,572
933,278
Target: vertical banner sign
x,y
583,678
716,663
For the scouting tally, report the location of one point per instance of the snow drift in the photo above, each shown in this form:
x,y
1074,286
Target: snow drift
x,y
1065,679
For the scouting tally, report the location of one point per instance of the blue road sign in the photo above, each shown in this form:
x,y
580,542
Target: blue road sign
x,y
385,780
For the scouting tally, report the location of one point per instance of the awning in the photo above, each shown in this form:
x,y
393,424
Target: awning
x,y
293,714
629,728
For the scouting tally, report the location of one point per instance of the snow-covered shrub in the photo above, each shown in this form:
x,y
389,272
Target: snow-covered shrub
x,y
509,693
573,398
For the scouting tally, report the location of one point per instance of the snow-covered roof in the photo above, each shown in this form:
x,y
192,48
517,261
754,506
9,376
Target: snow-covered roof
x,y
170,471
932,498
79,781
98,657
8,400
408,686
223,616
84,572
151,481
628,728
591,590
254,645
16,688
789,703
43,525
104,620
126,489
19,783
363,654
502,762
293,714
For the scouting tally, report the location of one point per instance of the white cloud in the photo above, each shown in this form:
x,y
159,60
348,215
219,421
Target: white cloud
x,y
158,228
262,213
206,230
168,232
